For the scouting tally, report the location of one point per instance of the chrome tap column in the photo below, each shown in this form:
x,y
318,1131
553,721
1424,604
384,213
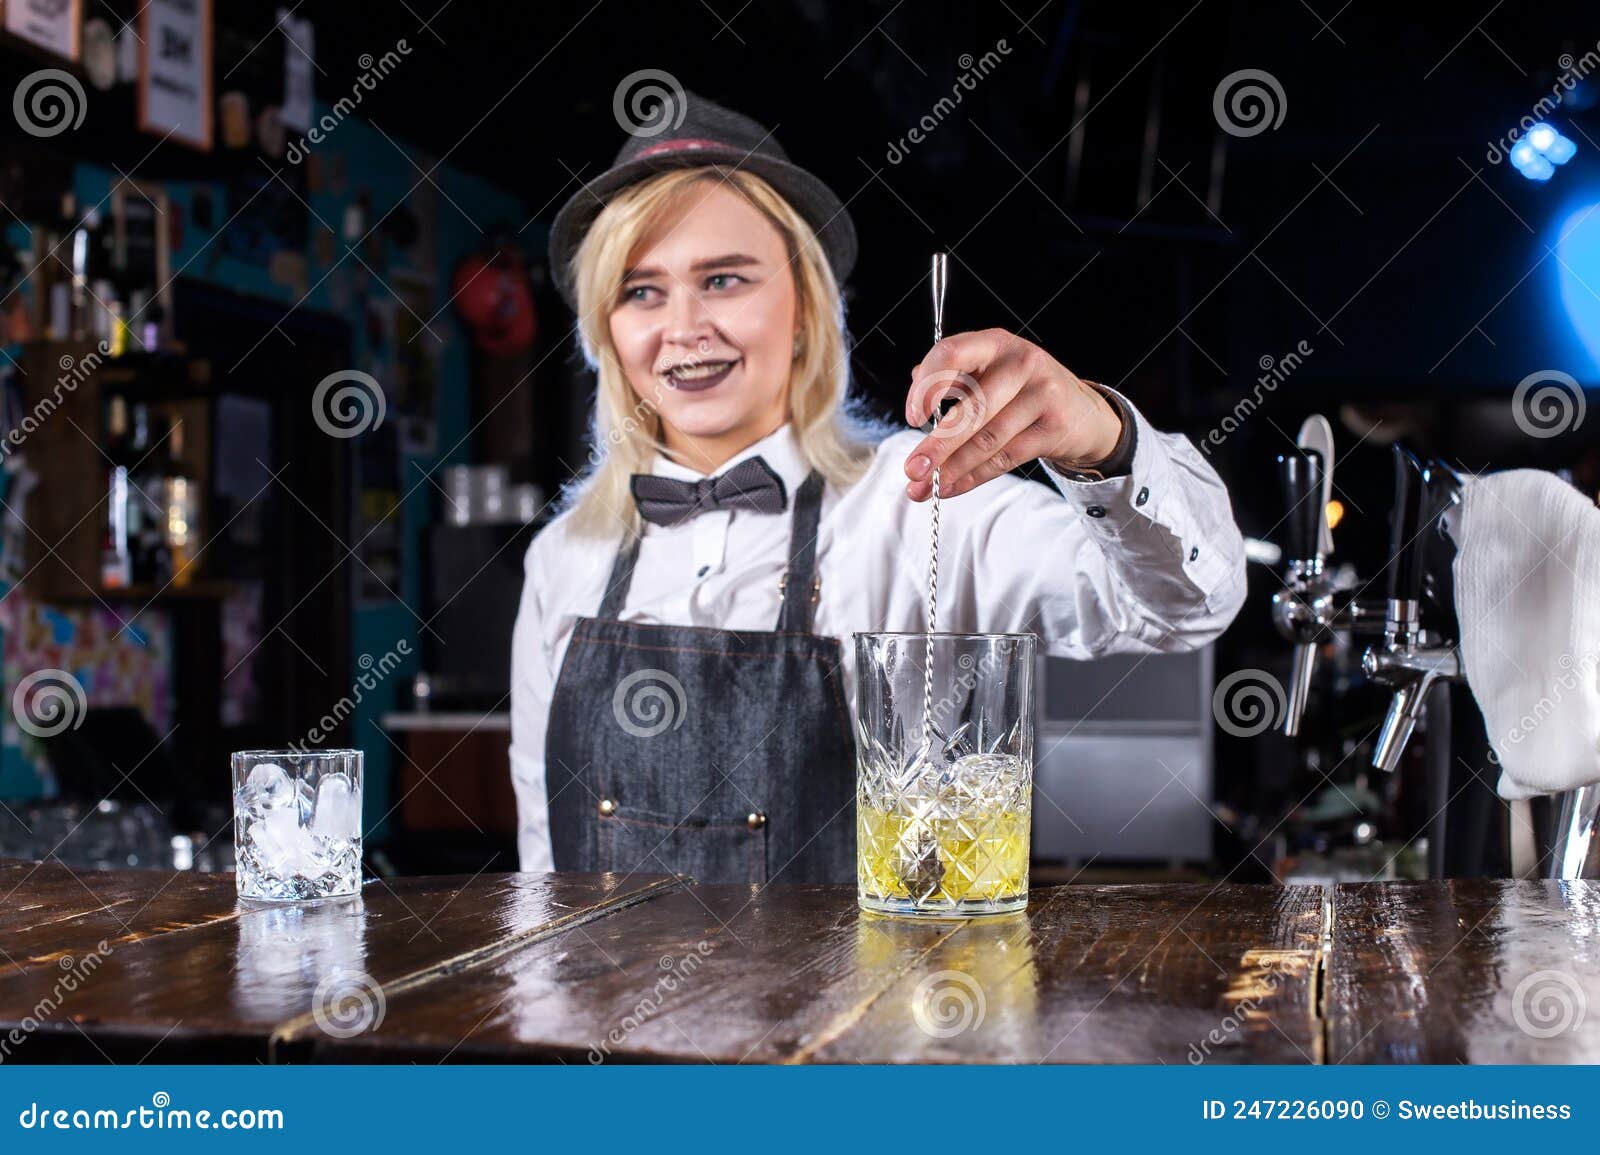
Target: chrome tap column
x,y
1303,610
1310,610
1410,659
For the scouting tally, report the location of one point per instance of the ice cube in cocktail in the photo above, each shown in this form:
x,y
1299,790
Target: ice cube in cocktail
x,y
297,823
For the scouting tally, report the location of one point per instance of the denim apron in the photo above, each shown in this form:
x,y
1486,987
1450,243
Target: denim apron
x,y
722,754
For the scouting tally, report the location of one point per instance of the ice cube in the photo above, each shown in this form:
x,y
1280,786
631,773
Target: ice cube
x,y
921,869
305,800
284,847
985,782
267,788
338,813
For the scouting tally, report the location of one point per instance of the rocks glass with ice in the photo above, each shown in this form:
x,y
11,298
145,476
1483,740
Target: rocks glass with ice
x,y
944,772
297,823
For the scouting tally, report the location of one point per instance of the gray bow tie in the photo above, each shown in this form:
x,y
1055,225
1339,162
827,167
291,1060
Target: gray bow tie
x,y
752,484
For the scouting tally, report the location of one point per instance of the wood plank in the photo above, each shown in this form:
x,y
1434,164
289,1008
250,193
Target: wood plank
x,y
1465,971
216,991
49,912
727,973
12,869
796,974
1172,973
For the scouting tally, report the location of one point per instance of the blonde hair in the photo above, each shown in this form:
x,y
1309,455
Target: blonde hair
x,y
832,436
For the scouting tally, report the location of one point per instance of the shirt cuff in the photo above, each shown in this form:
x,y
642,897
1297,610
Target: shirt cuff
x,y
1112,506
1120,461
1141,518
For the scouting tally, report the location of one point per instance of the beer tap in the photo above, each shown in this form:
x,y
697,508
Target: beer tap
x,y
1411,659
1303,610
1310,609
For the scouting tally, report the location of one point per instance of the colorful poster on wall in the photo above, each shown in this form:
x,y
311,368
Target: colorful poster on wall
x,y
175,70
90,653
51,24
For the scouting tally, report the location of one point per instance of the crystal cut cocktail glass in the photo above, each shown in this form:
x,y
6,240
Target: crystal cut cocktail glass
x,y
944,772
297,823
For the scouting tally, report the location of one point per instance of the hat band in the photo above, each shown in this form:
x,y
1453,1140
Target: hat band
x,y
681,144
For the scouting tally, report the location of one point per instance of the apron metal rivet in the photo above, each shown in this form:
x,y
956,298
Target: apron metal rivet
x,y
756,821
816,587
607,808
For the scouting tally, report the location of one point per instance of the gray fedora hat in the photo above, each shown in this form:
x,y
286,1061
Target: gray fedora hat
x,y
689,131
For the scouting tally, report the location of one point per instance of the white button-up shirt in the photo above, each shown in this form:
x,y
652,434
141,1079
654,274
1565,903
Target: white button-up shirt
x,y
1133,564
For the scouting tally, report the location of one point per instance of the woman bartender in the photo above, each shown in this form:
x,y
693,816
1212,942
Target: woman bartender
x,y
680,689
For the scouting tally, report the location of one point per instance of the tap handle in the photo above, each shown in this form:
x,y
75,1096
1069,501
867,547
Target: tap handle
x,y
1405,541
1317,433
1301,474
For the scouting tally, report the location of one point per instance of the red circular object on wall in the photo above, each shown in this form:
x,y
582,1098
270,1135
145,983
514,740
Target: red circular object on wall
x,y
493,298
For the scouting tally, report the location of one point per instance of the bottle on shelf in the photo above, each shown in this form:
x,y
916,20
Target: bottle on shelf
x,y
116,557
152,562
86,259
182,511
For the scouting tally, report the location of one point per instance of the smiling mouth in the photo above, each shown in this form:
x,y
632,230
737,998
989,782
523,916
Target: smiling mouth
x,y
698,377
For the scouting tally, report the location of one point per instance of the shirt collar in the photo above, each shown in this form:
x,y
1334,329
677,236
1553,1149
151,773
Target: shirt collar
x,y
779,448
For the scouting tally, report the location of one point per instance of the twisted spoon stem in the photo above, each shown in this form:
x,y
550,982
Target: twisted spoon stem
x,y
941,266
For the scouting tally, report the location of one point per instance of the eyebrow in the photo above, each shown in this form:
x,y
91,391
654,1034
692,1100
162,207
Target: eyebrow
x,y
726,261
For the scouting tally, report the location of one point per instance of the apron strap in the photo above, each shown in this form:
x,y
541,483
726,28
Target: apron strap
x,y
798,580
621,578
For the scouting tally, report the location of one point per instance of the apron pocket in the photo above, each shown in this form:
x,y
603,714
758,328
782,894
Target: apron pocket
x,y
642,842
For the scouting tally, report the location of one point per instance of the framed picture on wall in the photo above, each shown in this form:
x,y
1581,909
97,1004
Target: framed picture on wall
x,y
51,24
175,44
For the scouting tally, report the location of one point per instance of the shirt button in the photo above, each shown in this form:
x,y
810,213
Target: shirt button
x,y
1194,553
1144,496
607,808
1096,511
756,820
705,569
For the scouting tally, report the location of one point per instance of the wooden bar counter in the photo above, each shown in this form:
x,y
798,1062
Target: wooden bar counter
x,y
170,967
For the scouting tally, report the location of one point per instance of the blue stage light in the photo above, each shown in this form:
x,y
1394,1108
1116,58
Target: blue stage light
x,y
1560,151
1577,269
1536,155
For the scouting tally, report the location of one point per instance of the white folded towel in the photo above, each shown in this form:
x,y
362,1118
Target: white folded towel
x,y
1527,576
